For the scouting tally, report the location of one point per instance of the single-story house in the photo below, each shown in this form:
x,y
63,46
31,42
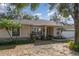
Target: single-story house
x,y
28,26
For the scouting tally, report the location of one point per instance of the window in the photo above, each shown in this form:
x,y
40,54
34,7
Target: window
x,y
36,29
15,32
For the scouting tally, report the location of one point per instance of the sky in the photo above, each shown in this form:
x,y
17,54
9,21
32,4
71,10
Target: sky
x,y
2,8
42,11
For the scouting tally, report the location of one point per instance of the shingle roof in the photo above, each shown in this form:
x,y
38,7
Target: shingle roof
x,y
39,22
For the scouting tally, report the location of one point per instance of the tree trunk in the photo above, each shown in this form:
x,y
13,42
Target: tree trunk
x,y
9,34
76,22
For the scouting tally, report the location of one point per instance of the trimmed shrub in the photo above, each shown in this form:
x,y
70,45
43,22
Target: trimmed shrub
x,y
17,42
73,46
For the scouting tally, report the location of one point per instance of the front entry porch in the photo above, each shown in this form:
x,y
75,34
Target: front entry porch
x,y
42,32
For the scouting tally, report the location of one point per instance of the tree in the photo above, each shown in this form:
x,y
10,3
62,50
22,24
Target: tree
x,y
20,6
8,25
54,18
14,9
70,9
28,17
36,17
76,22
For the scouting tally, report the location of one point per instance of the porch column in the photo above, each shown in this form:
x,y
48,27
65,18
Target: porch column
x,y
45,31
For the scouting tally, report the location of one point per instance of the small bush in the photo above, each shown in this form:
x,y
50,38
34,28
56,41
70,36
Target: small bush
x,y
33,38
49,37
67,41
76,47
71,44
59,37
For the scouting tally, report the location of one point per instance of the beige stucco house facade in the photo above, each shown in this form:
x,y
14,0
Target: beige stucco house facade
x,y
46,27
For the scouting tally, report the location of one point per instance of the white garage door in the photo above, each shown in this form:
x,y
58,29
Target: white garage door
x,y
68,34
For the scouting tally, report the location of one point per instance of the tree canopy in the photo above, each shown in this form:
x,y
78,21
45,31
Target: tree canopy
x,y
14,10
9,24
